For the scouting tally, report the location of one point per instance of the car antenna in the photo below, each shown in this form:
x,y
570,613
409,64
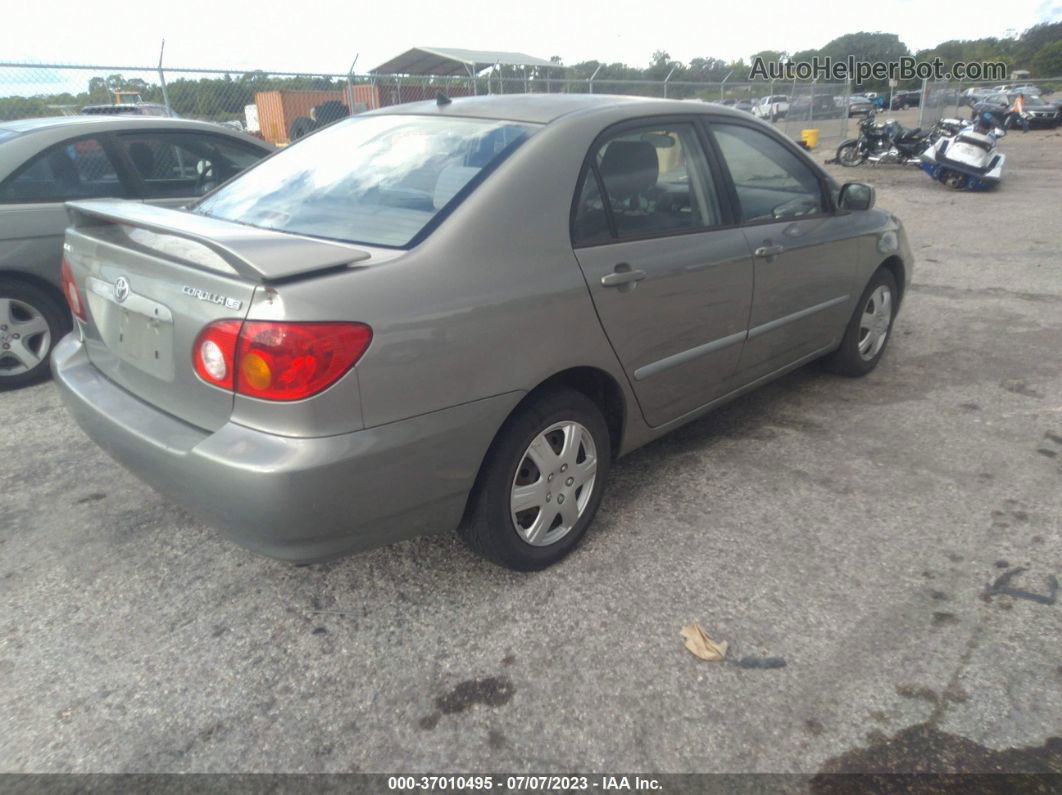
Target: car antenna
x,y
442,100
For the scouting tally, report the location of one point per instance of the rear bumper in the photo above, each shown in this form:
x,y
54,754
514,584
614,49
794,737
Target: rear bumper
x,y
296,499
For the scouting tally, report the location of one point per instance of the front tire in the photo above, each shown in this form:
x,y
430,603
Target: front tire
x,y
32,321
541,482
867,334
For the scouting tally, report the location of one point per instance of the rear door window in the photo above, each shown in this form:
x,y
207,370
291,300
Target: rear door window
x,y
76,169
184,165
656,182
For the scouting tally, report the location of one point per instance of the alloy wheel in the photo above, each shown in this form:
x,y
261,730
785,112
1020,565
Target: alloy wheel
x,y
25,338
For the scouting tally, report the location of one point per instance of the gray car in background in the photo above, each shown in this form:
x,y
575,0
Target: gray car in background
x,y
456,314
45,162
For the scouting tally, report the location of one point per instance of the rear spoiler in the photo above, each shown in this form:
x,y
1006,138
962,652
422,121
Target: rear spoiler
x,y
255,254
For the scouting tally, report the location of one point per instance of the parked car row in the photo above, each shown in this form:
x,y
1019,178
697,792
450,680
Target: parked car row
x,y
1037,113
775,107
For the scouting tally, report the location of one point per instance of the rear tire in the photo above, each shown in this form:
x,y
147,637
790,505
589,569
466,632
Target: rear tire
x,y
868,332
954,180
528,508
32,321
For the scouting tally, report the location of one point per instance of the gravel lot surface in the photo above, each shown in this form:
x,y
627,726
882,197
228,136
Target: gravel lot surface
x,y
851,527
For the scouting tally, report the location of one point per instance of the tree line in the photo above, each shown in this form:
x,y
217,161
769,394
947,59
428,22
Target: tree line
x,y
1038,49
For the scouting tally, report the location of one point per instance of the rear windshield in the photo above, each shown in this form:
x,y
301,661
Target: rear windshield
x,y
377,180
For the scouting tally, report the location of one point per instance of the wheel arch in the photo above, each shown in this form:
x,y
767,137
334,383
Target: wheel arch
x,y
37,281
597,385
45,286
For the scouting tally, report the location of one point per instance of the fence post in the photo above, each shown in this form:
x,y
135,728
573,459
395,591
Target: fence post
x,y
668,78
350,85
590,82
722,86
845,108
162,81
788,113
922,102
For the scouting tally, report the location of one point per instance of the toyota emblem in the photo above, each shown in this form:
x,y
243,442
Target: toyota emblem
x,y
121,289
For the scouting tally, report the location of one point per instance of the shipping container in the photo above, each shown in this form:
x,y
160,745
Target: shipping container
x,y
278,111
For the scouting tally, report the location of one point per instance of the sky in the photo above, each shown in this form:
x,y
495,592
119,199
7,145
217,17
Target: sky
x,y
326,35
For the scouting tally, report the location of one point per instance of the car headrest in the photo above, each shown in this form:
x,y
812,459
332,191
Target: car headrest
x,y
451,180
143,157
64,169
629,167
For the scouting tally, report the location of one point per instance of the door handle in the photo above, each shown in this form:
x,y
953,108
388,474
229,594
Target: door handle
x,y
623,274
769,251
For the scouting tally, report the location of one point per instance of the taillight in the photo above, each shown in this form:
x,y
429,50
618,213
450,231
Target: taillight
x,y
72,293
278,361
214,353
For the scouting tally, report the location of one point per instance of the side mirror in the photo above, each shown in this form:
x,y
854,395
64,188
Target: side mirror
x,y
856,196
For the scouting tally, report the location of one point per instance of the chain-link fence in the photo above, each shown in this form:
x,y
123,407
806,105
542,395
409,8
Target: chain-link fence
x,y
816,106
283,106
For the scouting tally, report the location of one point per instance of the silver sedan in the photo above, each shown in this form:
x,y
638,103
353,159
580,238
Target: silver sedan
x,y
457,314
45,162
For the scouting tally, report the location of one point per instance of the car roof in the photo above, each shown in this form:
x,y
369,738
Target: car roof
x,y
546,108
105,123
22,139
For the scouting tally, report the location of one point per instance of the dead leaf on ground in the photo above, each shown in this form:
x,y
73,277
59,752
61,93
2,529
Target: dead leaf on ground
x,y
700,643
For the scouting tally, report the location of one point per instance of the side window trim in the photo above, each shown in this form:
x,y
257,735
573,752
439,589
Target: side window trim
x,y
103,139
604,196
589,167
726,194
826,194
619,128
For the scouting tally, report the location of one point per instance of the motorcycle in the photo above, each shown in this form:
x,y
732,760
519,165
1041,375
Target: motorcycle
x,y
889,142
968,160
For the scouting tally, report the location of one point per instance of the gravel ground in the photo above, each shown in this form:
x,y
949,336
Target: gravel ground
x,y
850,527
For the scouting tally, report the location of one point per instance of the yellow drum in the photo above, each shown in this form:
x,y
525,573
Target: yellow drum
x,y
810,137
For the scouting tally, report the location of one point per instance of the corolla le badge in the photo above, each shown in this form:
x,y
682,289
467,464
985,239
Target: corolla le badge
x,y
121,289
213,298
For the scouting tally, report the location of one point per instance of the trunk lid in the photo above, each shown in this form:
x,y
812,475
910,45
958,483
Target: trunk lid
x,y
153,278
